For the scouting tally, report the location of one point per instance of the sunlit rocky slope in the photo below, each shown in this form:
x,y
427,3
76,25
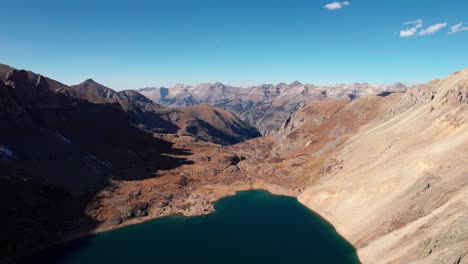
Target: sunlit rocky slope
x,y
401,191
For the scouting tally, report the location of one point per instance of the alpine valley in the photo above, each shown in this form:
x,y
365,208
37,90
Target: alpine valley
x,y
385,165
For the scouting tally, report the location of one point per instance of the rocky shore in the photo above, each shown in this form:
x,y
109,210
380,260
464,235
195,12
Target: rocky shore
x,y
188,190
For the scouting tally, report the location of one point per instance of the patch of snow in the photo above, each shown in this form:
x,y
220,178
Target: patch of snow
x,y
144,130
105,163
5,153
63,138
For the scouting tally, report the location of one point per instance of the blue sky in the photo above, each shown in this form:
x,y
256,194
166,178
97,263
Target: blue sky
x,y
133,44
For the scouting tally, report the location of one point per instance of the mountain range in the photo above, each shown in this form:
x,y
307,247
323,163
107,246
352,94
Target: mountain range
x,y
219,126
266,106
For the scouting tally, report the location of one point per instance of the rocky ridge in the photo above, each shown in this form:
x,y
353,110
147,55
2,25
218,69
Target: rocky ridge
x,y
266,106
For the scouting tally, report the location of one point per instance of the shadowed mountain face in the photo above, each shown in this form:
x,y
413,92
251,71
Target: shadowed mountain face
x,y
265,107
52,84
56,153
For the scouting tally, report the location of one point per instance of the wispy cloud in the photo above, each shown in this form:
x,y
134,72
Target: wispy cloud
x,y
337,5
412,30
432,29
419,21
457,28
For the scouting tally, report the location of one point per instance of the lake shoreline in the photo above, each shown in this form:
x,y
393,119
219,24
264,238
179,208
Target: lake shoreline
x,y
269,207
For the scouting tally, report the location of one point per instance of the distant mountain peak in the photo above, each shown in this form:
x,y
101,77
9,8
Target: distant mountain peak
x,y
399,85
180,85
296,83
218,85
90,83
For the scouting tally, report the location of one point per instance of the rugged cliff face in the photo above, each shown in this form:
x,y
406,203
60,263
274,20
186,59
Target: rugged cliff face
x,y
266,106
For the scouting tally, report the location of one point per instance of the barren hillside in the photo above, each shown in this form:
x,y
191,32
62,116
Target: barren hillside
x,y
401,192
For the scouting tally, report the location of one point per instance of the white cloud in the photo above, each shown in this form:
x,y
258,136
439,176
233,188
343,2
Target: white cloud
x,y
333,6
412,30
337,5
408,32
457,28
432,29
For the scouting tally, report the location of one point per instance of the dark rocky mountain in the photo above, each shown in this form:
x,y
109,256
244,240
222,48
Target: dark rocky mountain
x,y
267,106
210,124
56,153
53,84
204,122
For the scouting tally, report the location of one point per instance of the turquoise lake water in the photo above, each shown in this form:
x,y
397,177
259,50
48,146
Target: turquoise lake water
x,y
250,227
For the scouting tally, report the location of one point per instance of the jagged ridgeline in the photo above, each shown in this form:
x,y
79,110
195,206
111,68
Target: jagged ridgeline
x,y
205,122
